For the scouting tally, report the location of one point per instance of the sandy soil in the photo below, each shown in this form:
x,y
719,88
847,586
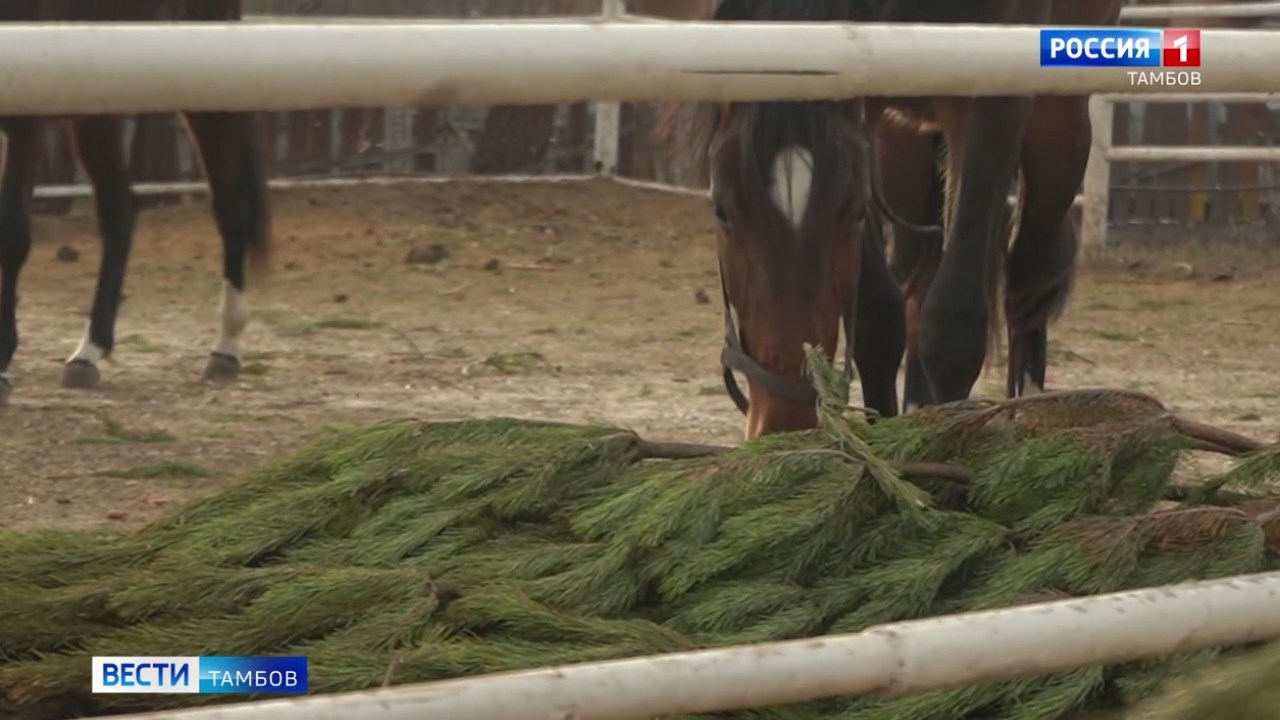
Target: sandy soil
x,y
597,311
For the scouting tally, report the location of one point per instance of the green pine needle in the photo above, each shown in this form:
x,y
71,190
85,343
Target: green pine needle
x,y
408,551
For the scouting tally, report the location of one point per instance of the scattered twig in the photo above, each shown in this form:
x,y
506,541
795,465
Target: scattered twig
x,y
422,357
408,341
1060,394
1232,443
1203,437
448,292
1182,493
1206,446
1077,356
1269,516
434,598
522,266
941,471
649,450
397,658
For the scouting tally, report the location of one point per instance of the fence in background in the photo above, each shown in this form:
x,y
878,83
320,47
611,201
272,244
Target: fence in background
x,y
559,140
1144,189
897,659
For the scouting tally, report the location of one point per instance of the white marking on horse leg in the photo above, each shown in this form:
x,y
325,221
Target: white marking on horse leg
x,y
792,183
235,317
1029,386
88,351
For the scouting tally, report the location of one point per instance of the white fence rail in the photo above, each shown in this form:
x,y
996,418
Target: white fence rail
x,y
70,69
1096,195
1195,12
889,660
390,63
79,69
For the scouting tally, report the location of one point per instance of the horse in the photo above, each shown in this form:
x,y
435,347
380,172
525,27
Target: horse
x,y
910,168
799,246
1044,146
228,147
796,192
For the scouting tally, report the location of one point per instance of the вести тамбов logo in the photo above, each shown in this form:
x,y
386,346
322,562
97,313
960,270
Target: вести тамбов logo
x,y
200,674
1168,56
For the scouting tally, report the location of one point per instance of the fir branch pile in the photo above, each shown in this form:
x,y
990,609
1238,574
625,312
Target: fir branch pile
x,y
1243,688
411,551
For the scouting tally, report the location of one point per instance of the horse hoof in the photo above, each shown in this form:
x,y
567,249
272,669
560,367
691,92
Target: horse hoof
x,y
221,368
6,389
80,375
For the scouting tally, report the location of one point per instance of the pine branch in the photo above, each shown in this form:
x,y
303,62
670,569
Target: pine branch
x,y
651,450
560,543
1217,439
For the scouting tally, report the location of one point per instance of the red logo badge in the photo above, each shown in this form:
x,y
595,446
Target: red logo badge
x,y
1180,48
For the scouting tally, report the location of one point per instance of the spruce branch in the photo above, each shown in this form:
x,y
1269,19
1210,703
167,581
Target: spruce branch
x,y
546,543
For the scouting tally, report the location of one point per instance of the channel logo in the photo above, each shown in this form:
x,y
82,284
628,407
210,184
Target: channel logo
x,y
200,675
1180,48
1119,47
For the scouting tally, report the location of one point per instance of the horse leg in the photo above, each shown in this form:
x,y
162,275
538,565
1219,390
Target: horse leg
x,y
916,390
16,181
99,142
983,136
1040,270
911,186
879,330
228,146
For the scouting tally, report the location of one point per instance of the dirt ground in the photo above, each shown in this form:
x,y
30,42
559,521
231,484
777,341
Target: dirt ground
x,y
572,302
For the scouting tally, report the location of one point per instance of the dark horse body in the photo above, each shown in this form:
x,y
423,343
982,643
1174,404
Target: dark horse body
x,y
1047,139
228,145
794,190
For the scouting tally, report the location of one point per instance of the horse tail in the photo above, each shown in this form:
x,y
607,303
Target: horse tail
x,y
1004,235
1040,286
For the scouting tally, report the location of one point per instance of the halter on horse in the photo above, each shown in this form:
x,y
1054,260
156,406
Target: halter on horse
x,y
800,247
796,265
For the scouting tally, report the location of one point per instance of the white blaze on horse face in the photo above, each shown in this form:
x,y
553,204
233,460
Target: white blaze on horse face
x,y
235,316
792,183
88,351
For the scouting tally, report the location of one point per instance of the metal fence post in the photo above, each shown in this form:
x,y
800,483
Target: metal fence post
x,y
1097,177
608,114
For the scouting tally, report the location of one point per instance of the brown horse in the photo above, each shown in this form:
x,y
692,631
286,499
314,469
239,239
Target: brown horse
x,y
910,170
793,182
229,151
800,248
1047,139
